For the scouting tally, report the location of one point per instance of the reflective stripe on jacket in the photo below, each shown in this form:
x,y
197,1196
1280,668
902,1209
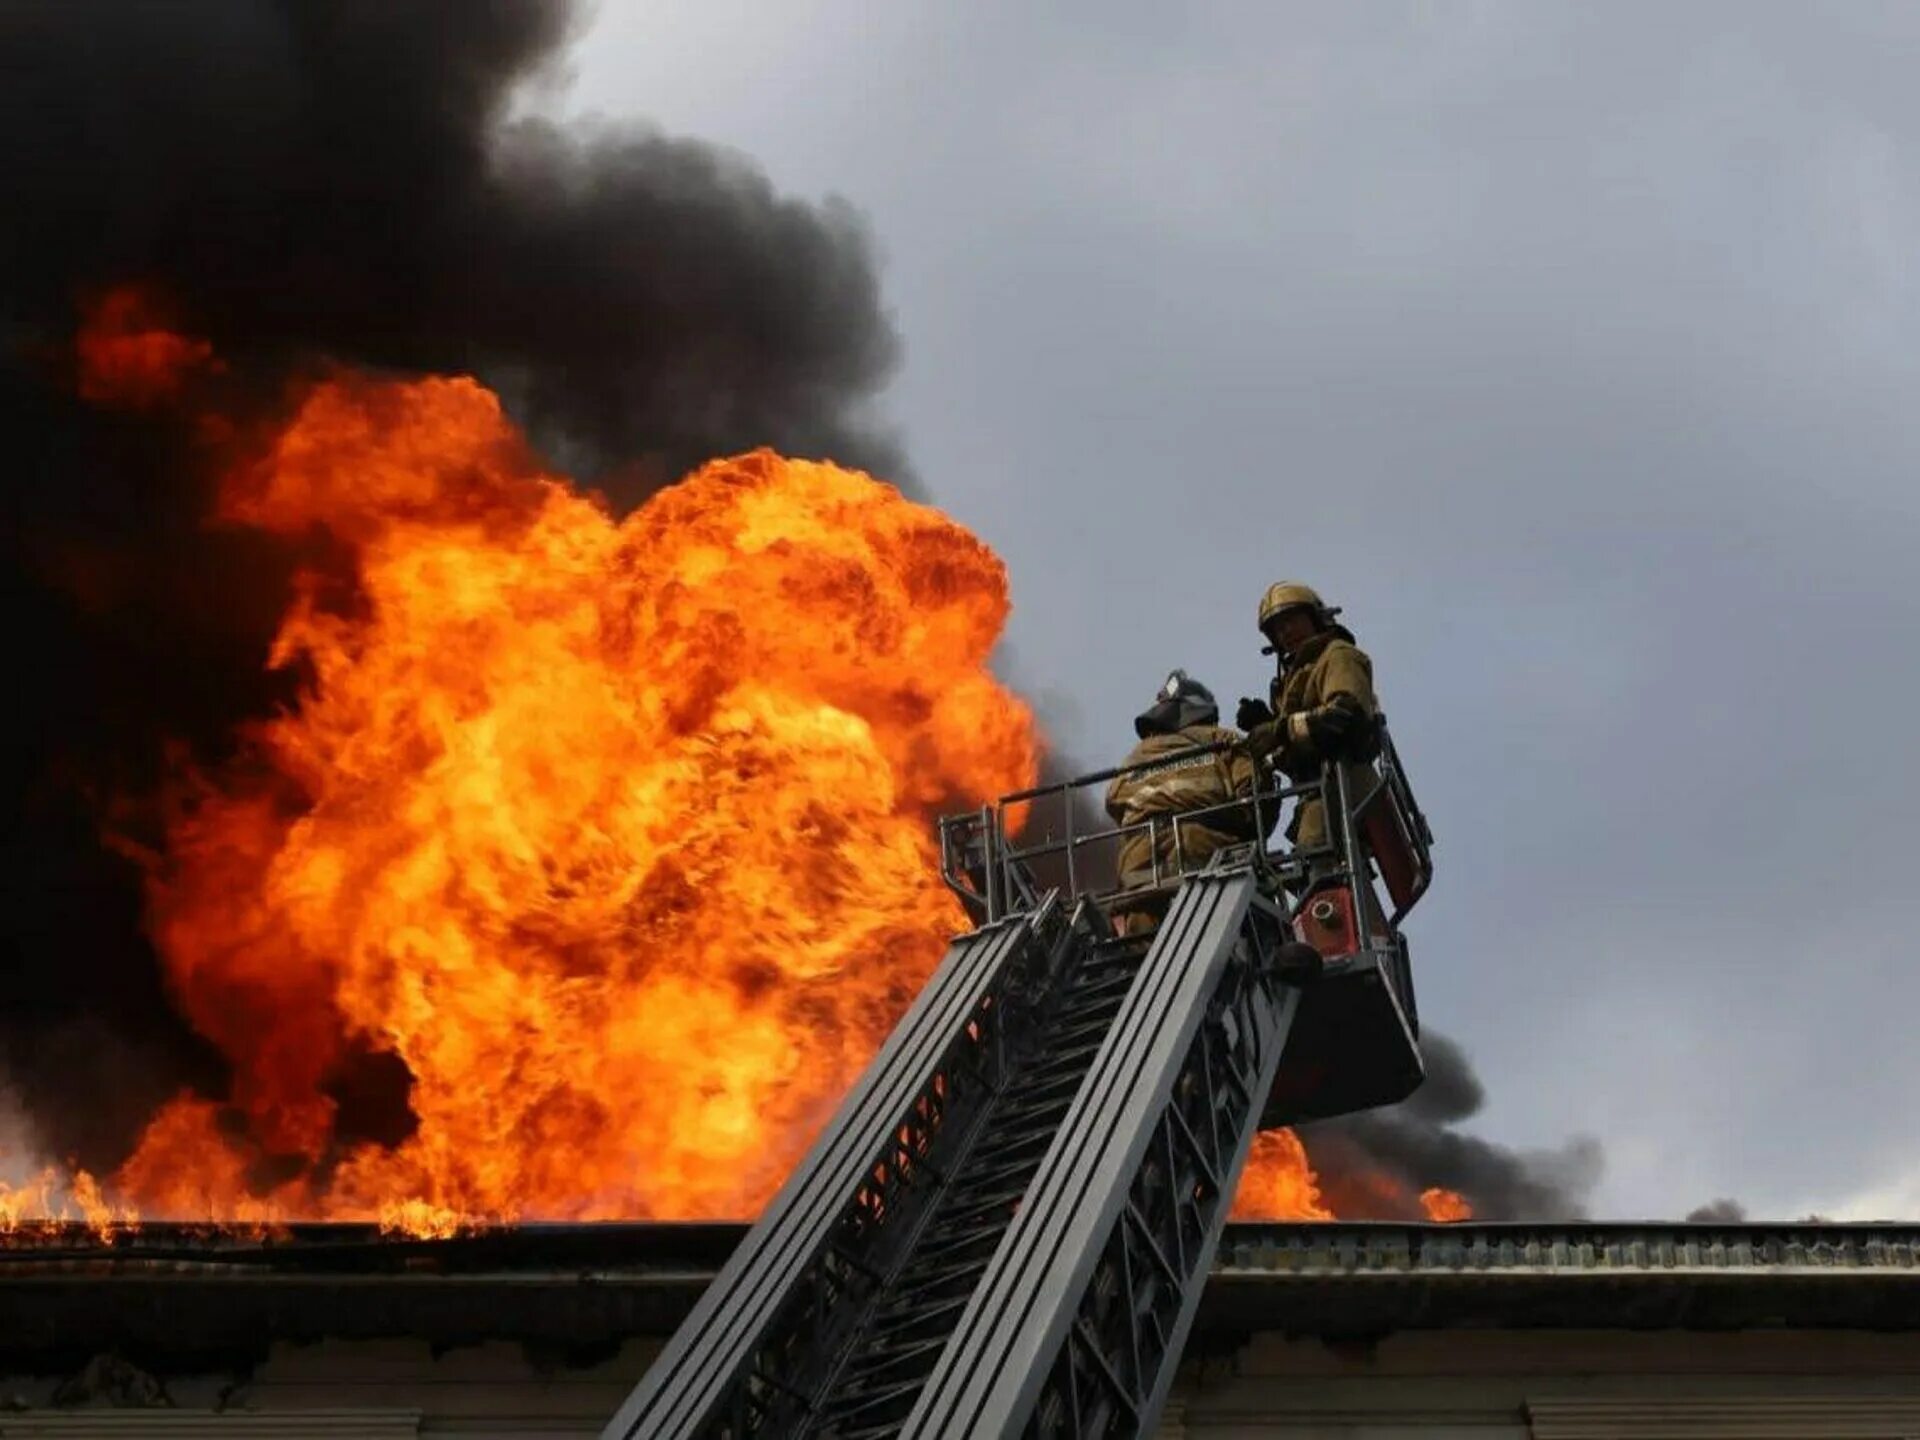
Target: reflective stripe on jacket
x,y
1179,782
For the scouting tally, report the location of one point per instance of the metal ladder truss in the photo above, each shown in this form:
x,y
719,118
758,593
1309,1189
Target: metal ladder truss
x,y
1006,1228
905,1330
1076,1327
783,1309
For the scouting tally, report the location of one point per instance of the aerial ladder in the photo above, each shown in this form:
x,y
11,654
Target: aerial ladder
x,y
1006,1227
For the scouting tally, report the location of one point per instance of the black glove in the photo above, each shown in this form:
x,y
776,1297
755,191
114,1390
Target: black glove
x,y
1263,740
1252,713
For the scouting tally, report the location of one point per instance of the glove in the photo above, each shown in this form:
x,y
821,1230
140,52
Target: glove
x,y
1252,713
1264,739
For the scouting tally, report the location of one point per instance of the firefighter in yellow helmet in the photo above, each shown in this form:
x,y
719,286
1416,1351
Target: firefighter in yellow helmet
x,y
1174,782
1322,701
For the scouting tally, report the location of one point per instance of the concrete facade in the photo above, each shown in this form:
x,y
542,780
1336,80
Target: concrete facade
x,y
1488,1385
1309,1333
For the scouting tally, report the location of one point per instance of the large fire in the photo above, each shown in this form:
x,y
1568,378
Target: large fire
x,y
612,832
597,850
1278,1184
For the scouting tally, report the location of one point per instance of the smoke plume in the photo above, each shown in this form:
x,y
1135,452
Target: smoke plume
x,y
312,181
1375,1166
304,182
1724,1211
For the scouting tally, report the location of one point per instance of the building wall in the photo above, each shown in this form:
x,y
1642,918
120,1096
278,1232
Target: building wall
x,y
1561,1385
371,1390
1483,1385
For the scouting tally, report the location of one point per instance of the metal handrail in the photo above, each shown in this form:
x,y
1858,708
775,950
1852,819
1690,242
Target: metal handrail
x,y
984,862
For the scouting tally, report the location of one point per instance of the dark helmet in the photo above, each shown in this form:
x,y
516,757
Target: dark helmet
x,y
1182,701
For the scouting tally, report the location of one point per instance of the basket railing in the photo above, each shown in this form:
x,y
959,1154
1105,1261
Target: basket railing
x,y
1004,857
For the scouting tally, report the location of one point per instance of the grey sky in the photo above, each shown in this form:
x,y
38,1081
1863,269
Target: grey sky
x,y
1573,349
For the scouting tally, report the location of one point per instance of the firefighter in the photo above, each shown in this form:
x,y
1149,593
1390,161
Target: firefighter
x,y
1182,718
1322,702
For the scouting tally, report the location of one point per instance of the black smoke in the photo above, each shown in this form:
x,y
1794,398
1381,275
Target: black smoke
x,y
309,182
1375,1166
1724,1211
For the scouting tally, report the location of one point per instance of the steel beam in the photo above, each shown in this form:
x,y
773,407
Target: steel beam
x,y
1077,1325
819,1249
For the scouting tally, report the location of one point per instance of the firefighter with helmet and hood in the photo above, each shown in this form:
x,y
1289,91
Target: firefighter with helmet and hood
x,y
1173,782
1322,706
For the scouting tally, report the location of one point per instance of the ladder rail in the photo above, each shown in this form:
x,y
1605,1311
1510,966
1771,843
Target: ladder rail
x,y
785,1282
1076,1329
1006,1228
911,1320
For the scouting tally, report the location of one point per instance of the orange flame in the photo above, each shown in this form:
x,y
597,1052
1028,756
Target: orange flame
x,y
615,833
32,1200
128,357
1278,1183
1443,1204
51,1197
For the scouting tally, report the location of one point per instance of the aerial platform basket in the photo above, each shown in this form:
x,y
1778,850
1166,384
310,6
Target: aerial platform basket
x,y
1354,1043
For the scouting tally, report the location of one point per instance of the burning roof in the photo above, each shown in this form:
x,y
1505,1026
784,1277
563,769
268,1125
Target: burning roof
x,y
592,857
411,833
173,1296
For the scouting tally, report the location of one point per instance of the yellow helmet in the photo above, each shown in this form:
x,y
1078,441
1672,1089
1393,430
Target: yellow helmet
x,y
1286,595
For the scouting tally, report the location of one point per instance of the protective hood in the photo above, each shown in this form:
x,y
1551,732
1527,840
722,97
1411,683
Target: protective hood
x,y
1182,701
